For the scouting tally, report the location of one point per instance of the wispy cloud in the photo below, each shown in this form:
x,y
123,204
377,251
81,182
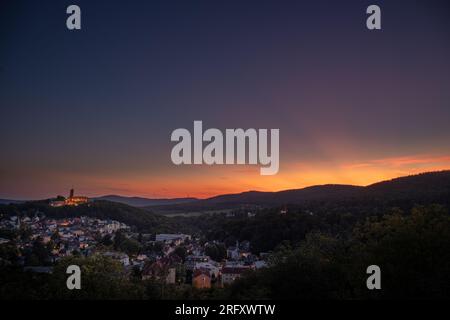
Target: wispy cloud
x,y
404,161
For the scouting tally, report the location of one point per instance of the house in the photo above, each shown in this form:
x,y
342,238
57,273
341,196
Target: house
x,y
141,257
191,260
245,245
139,264
158,270
260,264
230,274
210,266
168,237
78,232
26,220
164,268
201,279
120,256
233,253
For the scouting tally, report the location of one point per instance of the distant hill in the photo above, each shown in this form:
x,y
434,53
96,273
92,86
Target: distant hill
x,y
323,192
431,183
266,199
425,187
144,202
432,187
5,201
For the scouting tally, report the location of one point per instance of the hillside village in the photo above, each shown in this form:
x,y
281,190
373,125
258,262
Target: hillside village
x,y
170,258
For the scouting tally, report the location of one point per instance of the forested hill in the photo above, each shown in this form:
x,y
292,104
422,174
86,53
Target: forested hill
x,y
144,202
142,220
433,185
425,185
422,188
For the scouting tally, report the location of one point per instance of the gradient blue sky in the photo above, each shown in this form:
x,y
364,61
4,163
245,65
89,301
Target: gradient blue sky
x,y
94,109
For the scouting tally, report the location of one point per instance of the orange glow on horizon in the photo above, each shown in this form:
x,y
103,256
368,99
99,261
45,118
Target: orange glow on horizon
x,y
205,182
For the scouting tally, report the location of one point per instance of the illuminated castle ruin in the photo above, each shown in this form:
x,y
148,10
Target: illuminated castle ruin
x,y
72,200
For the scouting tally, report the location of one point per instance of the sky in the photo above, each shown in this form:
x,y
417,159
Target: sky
x,y
94,109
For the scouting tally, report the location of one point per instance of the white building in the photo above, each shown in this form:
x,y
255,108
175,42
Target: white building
x,y
230,274
210,266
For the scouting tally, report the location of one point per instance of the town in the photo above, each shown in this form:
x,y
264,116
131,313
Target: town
x,y
41,242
